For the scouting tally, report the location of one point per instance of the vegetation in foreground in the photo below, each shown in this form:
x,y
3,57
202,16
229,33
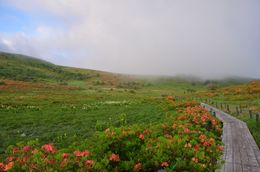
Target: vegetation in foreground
x,y
191,141
71,108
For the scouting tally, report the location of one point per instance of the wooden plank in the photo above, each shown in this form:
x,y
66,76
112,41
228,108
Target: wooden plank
x,y
235,143
238,167
244,157
247,168
255,169
228,167
229,154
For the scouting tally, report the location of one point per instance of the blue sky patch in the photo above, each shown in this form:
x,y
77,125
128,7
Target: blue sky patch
x,y
13,20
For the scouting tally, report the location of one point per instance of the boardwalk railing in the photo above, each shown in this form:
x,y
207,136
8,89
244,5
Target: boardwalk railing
x,y
242,111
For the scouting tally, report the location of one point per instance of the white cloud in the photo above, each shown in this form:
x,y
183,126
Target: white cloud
x,y
7,43
205,38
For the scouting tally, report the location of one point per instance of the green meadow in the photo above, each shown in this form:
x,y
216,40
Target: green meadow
x,y
62,105
65,106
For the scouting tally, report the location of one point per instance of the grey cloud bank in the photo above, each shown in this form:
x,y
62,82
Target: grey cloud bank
x,y
210,39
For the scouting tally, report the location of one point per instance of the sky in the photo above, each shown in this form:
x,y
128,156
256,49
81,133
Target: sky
x,y
204,38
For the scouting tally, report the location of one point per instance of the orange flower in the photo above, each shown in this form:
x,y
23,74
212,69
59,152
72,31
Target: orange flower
x,y
220,148
141,136
9,166
212,140
9,159
170,98
114,157
164,125
109,132
187,145
174,125
195,120
194,159
164,164
65,155
186,131
79,154
49,160
49,148
63,162
196,148
202,136
26,148
15,150
32,166
125,132
181,118
35,151
207,144
138,167
2,166
89,163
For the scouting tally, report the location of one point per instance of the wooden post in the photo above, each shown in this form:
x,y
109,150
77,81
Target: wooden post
x,y
217,104
237,110
221,106
250,114
257,117
228,108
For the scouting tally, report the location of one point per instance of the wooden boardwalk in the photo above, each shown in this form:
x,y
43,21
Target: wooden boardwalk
x,y
241,153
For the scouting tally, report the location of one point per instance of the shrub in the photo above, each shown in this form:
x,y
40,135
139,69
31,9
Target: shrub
x,y
98,82
132,85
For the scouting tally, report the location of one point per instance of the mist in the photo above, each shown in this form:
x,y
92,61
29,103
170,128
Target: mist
x,y
208,39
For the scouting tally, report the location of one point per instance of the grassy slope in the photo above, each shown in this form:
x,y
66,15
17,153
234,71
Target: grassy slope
x,y
19,67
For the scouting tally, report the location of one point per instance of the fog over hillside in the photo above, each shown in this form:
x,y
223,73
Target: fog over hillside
x,y
208,39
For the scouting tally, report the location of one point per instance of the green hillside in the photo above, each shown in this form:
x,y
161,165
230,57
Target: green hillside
x,y
20,67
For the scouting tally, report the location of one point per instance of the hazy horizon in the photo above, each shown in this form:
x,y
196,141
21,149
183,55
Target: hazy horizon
x,y
213,39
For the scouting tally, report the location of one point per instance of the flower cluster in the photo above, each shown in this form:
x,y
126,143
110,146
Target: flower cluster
x,y
7,166
202,117
44,158
243,89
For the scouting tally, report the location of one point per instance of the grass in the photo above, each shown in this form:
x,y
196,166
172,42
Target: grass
x,y
47,114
